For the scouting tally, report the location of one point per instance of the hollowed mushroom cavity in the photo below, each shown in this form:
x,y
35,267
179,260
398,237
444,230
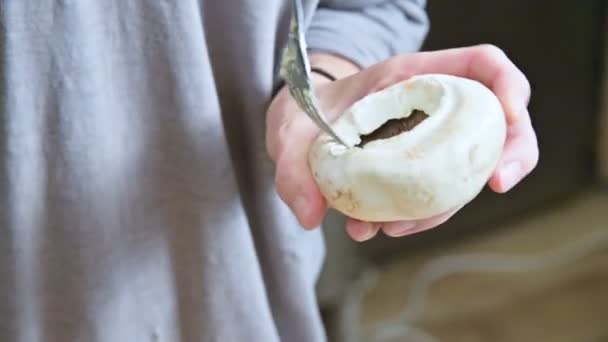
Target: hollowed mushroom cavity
x,y
394,127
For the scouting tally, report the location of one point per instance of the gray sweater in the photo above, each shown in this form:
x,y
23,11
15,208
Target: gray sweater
x,y
136,197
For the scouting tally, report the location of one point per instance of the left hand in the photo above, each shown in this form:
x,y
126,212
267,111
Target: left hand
x,y
290,132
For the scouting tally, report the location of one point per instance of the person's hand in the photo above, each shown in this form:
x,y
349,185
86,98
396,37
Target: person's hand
x,y
290,132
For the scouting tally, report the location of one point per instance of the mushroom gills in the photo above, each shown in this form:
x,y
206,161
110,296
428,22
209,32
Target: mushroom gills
x,y
394,127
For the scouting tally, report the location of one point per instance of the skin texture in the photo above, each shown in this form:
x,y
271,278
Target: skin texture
x,y
290,132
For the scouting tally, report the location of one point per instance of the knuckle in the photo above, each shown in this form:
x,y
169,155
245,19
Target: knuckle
x,y
280,179
281,174
276,141
398,63
285,179
490,51
493,53
394,70
271,148
403,66
394,62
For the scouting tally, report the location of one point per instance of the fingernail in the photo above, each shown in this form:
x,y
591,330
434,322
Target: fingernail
x,y
400,229
510,174
364,230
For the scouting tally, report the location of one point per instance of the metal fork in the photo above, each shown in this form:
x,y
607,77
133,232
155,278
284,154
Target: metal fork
x,y
295,70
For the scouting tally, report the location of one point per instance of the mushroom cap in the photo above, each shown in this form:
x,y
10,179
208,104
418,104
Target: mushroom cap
x,y
440,164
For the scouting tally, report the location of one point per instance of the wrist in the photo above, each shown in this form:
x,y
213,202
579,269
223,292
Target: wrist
x,y
336,67
323,73
319,78
325,68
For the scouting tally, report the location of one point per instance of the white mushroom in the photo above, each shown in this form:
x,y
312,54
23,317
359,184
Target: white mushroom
x,y
418,148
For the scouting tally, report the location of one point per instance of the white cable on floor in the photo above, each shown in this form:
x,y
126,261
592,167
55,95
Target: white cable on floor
x,y
401,324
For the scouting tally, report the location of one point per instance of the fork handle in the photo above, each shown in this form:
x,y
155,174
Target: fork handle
x,y
281,84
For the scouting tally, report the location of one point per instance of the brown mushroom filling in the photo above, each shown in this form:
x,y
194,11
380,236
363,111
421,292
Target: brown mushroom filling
x,y
394,127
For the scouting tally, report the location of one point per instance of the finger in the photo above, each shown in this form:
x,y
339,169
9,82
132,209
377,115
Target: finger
x,y
519,158
293,178
492,67
361,230
403,228
484,63
398,228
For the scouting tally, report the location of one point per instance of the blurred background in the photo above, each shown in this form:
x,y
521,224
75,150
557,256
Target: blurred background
x,y
547,276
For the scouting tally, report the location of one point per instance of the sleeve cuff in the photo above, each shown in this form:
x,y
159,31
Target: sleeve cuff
x,y
368,34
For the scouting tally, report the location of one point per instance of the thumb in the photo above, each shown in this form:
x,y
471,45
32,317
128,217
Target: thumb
x,y
294,180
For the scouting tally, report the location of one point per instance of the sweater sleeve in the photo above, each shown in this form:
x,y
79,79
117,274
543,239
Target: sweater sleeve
x,y
368,31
